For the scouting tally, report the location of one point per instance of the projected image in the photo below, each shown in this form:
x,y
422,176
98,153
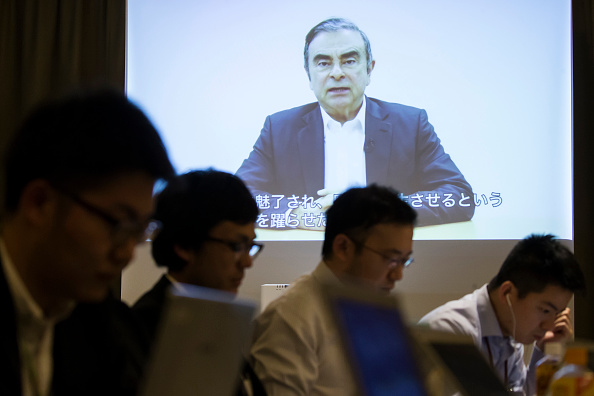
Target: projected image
x,y
464,107
307,155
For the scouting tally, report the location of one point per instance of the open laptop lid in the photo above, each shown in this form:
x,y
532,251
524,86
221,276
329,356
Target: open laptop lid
x,y
199,345
460,358
376,341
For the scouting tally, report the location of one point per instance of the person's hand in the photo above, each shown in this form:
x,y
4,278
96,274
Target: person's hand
x,y
327,197
562,330
320,206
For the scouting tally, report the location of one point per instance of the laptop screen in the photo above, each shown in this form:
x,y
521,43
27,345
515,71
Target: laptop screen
x,y
198,351
380,348
464,361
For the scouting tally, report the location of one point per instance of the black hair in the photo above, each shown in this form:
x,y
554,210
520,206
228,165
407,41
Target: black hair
x,y
537,262
357,210
191,205
81,140
334,25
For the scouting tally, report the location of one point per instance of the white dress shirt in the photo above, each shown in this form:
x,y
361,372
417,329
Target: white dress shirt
x,y
35,332
297,348
344,155
474,315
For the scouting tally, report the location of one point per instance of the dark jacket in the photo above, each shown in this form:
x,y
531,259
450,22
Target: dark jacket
x,y
100,349
402,151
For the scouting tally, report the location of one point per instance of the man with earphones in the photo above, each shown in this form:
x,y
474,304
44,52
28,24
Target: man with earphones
x,y
525,303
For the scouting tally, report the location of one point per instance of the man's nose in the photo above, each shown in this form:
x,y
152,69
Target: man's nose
x,y
548,324
245,260
124,252
336,72
396,273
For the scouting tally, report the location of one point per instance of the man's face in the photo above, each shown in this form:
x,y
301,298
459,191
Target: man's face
x,y
78,256
338,72
215,264
535,313
371,264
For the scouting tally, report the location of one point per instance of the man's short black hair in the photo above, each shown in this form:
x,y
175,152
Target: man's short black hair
x,y
81,140
537,262
357,210
194,203
334,25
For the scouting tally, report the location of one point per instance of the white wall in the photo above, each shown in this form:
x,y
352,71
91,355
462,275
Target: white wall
x,y
443,270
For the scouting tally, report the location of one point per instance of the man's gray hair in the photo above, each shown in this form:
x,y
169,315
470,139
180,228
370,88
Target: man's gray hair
x,y
334,25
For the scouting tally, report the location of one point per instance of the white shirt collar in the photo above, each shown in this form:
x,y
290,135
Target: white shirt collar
x,y
360,117
24,303
179,286
488,318
35,330
325,275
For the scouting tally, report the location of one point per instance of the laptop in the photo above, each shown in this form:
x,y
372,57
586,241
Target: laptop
x,y
199,345
379,348
468,370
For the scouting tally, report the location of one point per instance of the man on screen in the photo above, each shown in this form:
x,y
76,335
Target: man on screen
x,y
305,156
525,303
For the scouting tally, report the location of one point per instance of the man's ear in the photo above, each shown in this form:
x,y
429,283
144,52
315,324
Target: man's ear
x,y
38,202
342,247
369,70
506,288
184,254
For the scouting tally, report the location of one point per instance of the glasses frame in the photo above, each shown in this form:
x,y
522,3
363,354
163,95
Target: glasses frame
x,y
121,230
239,247
392,262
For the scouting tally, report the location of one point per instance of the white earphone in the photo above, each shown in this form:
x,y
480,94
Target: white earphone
x,y
509,304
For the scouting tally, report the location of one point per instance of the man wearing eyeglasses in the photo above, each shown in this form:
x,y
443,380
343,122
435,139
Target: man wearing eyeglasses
x,y
206,239
368,243
78,177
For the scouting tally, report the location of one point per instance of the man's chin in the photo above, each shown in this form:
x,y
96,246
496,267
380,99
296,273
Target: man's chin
x,y
93,295
386,290
537,338
382,289
526,340
231,289
340,107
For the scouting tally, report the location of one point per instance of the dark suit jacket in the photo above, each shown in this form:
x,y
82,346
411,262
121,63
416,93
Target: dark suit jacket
x,y
10,362
401,151
150,307
99,349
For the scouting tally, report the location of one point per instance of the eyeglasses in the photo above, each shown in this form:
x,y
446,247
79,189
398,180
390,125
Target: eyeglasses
x,y
251,248
121,230
393,262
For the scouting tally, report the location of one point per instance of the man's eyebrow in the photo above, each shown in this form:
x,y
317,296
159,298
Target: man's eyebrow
x,y
240,236
321,57
351,54
131,213
246,238
553,307
396,251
